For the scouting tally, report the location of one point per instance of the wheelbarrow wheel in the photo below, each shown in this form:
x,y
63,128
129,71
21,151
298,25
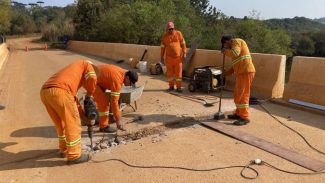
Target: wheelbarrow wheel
x,y
191,87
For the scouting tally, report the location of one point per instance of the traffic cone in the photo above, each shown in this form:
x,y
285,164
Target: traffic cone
x,y
45,46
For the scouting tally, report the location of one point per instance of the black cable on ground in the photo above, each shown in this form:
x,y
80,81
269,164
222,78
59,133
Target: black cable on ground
x,y
293,130
248,166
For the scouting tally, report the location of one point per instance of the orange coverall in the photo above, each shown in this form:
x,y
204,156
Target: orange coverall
x,y
174,44
58,94
111,78
244,70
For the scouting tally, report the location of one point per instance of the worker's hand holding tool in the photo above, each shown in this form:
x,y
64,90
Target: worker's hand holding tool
x,y
86,121
120,125
90,109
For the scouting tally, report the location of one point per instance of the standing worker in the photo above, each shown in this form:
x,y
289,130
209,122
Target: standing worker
x,y
112,78
58,94
244,71
174,47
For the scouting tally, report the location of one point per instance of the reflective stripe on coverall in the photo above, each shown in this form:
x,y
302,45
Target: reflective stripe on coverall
x,y
111,78
58,96
244,70
174,45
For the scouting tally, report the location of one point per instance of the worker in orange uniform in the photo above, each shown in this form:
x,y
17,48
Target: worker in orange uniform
x,y
111,78
174,47
244,71
58,94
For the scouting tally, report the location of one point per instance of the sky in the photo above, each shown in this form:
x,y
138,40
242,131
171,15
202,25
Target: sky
x,y
48,2
240,8
272,8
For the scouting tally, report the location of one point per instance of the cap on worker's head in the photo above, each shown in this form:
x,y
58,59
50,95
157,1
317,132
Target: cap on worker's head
x,y
226,38
133,76
170,25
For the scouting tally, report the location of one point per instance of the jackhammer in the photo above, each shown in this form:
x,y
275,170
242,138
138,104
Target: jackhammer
x,y
90,134
91,115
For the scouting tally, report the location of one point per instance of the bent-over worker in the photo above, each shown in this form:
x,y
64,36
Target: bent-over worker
x,y
244,71
111,78
58,94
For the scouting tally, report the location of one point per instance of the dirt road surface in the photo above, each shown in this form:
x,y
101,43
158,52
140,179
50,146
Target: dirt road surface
x,y
28,143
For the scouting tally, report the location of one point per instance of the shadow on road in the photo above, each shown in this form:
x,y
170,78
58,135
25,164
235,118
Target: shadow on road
x,y
291,114
43,131
28,159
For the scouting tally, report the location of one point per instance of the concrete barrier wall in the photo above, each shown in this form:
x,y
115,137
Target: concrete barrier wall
x,y
307,80
268,82
270,75
116,51
4,54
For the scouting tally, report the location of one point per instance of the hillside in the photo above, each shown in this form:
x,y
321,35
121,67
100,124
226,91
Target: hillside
x,y
321,20
296,24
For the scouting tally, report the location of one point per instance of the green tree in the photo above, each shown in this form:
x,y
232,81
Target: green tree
x,y
201,6
4,16
70,11
261,39
87,18
319,39
305,46
144,22
51,32
22,24
138,23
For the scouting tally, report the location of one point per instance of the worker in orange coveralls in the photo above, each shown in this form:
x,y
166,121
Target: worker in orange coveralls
x,y
174,47
111,78
244,71
58,94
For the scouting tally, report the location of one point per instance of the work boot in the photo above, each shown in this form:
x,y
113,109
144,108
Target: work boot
x,y
233,116
171,88
179,90
107,129
241,122
83,158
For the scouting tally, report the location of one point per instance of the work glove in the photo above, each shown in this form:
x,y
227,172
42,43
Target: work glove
x,y
86,122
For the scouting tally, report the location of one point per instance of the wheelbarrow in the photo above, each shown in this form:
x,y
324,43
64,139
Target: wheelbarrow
x,y
129,96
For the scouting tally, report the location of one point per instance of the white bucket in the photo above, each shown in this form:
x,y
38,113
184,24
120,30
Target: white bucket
x,y
142,66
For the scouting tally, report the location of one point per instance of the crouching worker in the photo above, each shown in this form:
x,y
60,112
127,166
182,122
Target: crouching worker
x,y
58,94
244,71
111,78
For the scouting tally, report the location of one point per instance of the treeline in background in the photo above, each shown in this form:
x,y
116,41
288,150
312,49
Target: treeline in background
x,y
143,22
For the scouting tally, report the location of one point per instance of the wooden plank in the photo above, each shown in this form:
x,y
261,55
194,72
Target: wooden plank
x,y
189,55
292,156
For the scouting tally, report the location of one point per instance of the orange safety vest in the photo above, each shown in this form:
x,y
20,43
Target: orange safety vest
x,y
72,77
241,57
111,77
173,44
